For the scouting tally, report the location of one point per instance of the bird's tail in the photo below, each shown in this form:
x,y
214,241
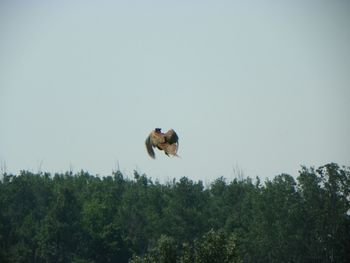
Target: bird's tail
x,y
149,147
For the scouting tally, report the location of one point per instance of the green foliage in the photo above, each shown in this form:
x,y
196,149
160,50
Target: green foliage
x,y
85,218
163,252
215,247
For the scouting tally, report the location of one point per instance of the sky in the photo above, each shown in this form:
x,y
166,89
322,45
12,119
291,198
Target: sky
x,y
259,87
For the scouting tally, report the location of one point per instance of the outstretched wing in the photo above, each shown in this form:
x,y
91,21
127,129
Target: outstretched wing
x,y
149,147
171,137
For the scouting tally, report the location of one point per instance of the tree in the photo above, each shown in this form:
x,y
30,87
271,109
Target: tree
x,y
325,193
60,233
216,247
84,218
186,213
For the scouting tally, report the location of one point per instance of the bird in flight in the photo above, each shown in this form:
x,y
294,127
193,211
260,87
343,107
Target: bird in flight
x,y
167,142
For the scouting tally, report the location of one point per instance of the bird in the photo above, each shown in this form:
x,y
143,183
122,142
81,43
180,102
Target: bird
x,y
167,142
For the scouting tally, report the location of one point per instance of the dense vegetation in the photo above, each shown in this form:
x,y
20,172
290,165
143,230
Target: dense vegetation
x,y
85,218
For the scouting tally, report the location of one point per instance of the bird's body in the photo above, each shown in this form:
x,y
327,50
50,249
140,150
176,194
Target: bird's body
x,y
167,142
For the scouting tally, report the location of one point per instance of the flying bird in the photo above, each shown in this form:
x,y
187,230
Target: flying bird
x,y
167,142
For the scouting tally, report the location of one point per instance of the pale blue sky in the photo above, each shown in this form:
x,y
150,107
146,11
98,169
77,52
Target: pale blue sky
x,y
259,85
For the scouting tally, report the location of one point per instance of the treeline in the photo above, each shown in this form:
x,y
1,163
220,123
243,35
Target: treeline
x,y
85,218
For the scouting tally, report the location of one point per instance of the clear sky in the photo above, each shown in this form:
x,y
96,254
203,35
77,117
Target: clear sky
x,y
258,86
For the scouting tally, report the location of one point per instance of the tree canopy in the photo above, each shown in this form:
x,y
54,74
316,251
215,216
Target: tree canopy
x,y
86,218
